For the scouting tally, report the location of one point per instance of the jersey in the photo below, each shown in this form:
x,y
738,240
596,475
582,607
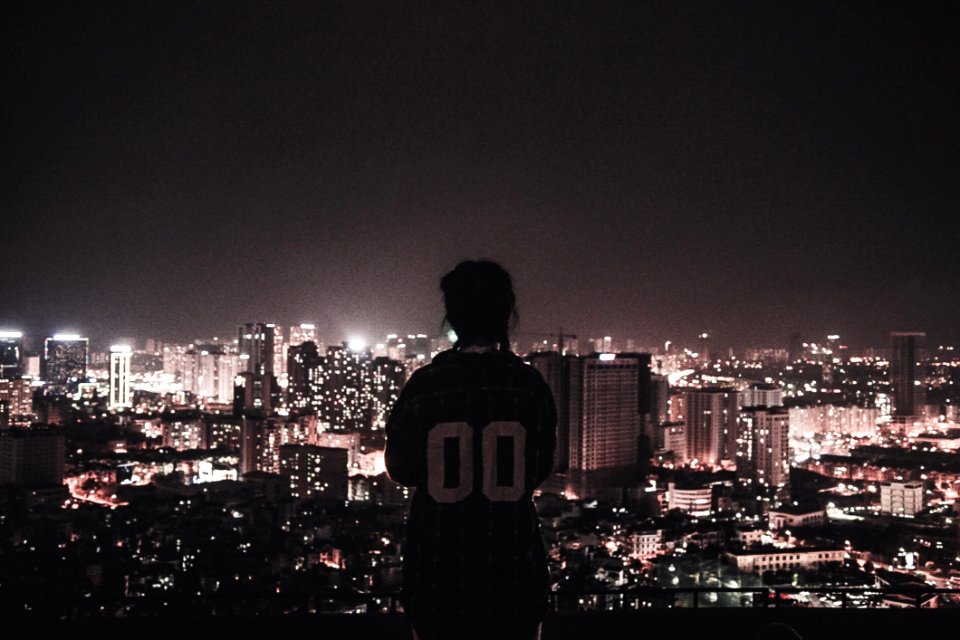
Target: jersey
x,y
475,434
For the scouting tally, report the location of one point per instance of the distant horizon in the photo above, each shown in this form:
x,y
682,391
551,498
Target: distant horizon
x,y
103,340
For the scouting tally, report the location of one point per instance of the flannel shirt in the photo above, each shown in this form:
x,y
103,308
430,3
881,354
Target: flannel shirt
x,y
475,434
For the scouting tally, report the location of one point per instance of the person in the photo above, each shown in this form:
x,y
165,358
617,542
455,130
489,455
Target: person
x,y
474,431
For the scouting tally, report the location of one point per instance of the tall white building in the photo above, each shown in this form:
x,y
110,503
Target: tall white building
x,y
121,394
901,498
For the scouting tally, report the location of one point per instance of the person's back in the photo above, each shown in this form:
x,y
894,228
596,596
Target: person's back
x,y
474,431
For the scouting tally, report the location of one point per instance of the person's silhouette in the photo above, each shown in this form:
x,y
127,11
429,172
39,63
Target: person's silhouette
x,y
474,431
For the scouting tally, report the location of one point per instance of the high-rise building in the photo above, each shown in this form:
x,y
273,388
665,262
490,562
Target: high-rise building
x,y
346,399
555,370
304,376
222,431
183,430
304,332
19,398
255,394
763,446
795,348
762,395
601,401
262,438
11,354
659,399
710,424
901,498
703,350
216,374
906,384
32,457
279,352
386,378
121,393
315,472
174,358
418,345
64,361
605,409
255,341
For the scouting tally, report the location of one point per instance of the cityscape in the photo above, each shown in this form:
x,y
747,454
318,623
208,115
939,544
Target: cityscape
x,y
247,472
727,241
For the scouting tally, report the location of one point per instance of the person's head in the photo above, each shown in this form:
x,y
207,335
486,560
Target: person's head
x,y
480,303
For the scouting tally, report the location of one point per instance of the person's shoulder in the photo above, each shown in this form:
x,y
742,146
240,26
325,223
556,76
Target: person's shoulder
x,y
444,358
527,372
426,375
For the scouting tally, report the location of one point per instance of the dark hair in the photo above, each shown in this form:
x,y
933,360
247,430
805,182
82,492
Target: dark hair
x,y
480,302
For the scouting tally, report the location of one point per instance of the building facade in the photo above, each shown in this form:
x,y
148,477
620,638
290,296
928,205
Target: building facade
x,y
901,498
65,359
906,383
710,421
121,392
763,446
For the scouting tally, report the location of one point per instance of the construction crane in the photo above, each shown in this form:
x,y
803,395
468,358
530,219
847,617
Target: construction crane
x,y
559,335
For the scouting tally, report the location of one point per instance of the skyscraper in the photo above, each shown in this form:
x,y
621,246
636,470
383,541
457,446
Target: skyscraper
x,y
385,381
763,446
605,410
303,332
18,397
255,394
555,370
303,375
11,354
710,417
279,352
216,373
601,402
256,341
64,361
121,394
906,386
345,402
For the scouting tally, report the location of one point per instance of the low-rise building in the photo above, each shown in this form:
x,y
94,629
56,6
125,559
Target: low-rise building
x,y
775,559
790,516
901,498
692,500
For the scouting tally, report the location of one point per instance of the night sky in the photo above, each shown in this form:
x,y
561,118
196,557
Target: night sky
x,y
644,170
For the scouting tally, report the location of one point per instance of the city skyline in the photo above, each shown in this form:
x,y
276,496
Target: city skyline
x,y
229,398
104,342
753,170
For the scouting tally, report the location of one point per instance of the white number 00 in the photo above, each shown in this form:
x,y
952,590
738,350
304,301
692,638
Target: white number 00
x,y
436,461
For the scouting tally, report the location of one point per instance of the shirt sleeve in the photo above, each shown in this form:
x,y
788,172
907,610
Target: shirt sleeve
x,y
548,432
402,454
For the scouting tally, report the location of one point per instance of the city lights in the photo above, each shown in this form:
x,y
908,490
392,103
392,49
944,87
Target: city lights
x,y
697,253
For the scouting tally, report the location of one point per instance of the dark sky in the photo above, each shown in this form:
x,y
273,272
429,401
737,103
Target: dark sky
x,y
644,170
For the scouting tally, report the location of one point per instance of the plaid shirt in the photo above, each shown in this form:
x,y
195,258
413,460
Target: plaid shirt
x,y
475,433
